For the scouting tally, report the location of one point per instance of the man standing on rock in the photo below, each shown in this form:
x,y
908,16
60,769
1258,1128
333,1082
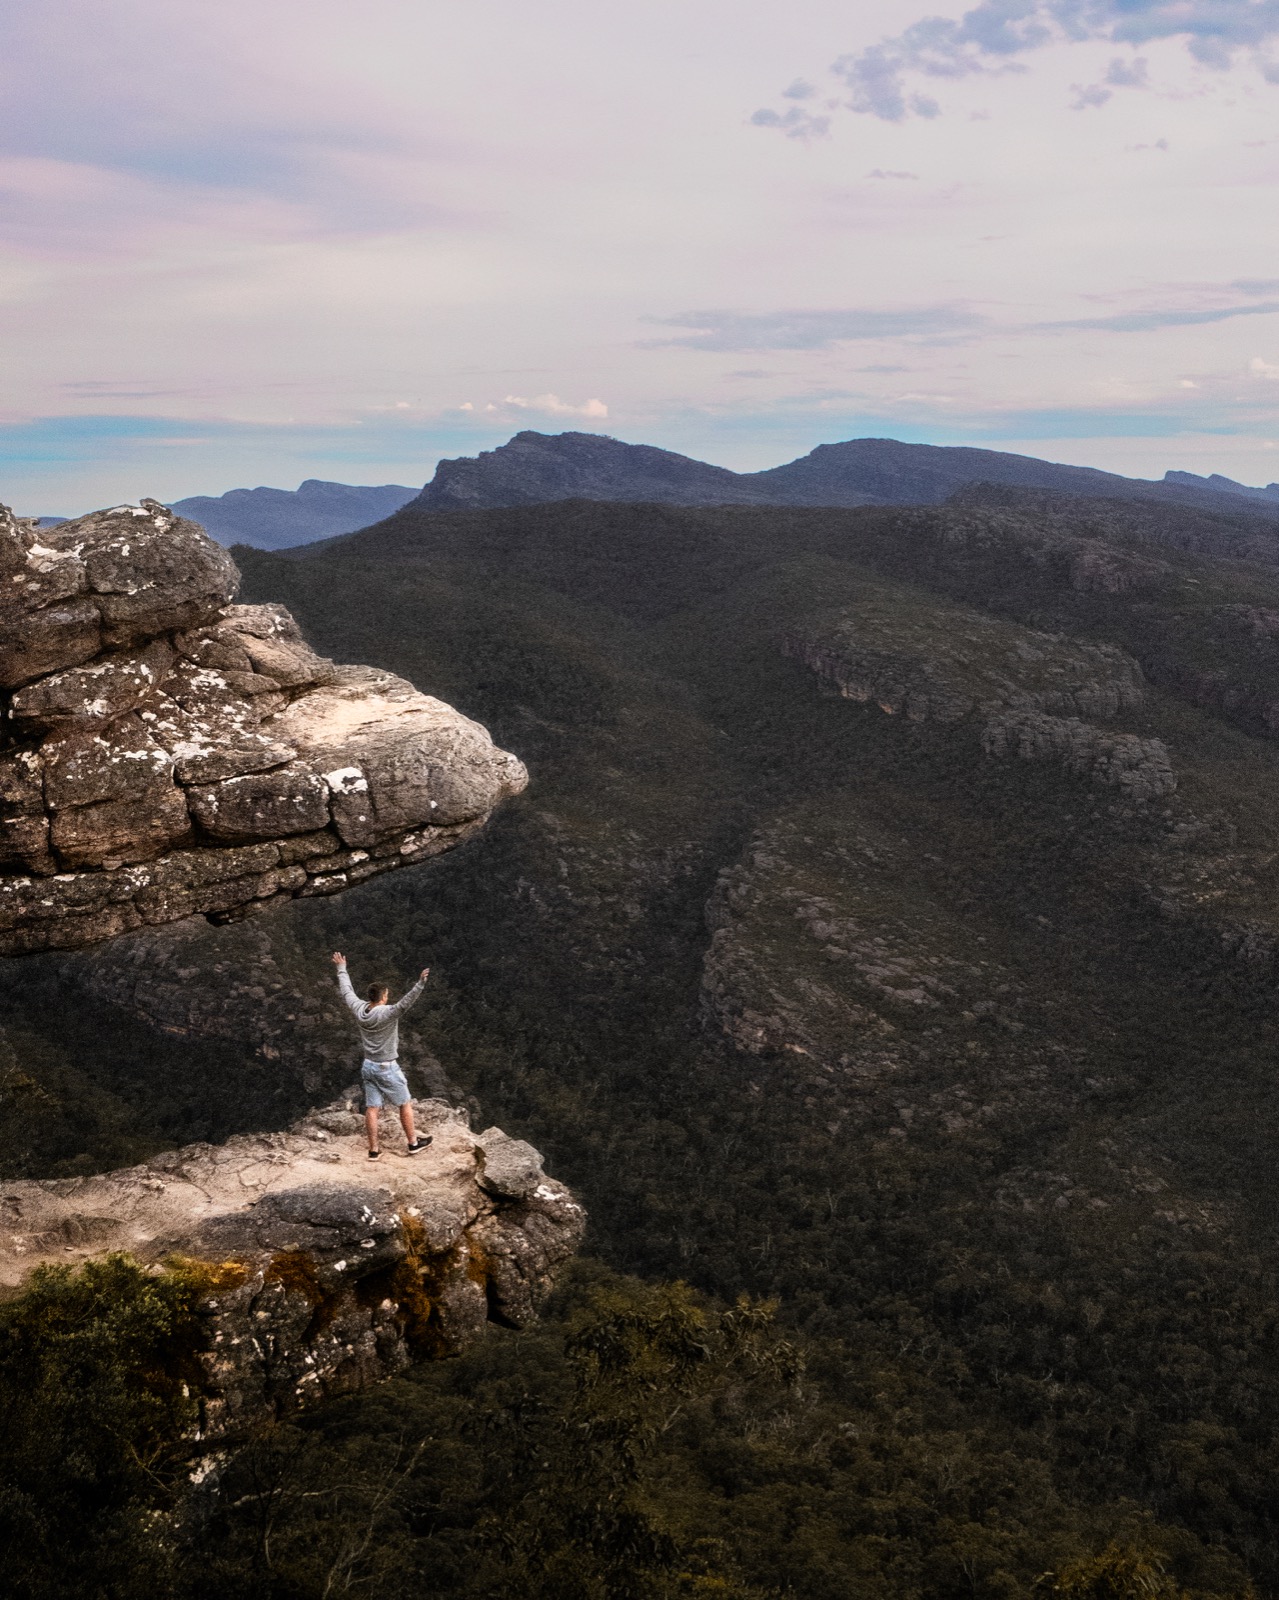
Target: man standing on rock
x,y
379,1025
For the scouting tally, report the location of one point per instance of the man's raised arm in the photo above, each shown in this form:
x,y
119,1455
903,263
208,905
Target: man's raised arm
x,y
344,983
406,1000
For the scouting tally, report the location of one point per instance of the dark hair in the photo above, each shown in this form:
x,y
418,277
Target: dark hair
x,y
376,992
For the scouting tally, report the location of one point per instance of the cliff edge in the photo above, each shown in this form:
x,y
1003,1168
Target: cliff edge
x,y
325,1271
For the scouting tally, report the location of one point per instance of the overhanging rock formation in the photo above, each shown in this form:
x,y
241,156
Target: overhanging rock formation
x,y
326,1271
167,753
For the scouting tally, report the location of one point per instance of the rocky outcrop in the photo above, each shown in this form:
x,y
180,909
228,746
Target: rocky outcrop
x,y
1138,768
822,947
934,662
325,1271
169,753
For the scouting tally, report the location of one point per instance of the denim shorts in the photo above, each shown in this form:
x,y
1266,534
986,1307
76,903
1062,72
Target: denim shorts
x,y
384,1085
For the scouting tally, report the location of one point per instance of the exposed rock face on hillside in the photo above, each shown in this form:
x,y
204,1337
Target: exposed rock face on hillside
x,y
327,1271
942,663
824,947
170,753
1139,768
831,951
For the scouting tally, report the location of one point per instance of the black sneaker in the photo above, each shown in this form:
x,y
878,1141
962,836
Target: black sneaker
x,y
418,1144
374,1155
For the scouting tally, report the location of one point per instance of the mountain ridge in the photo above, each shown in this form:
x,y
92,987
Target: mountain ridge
x,y
532,468
275,519
1223,485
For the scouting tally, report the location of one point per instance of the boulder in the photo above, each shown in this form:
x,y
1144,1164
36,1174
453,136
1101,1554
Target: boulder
x,y
508,1167
153,724
109,580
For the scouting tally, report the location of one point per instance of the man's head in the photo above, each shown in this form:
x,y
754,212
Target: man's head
x,y
377,994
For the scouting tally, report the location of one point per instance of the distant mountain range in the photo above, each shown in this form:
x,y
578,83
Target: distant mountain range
x,y
277,519
537,467
1220,485
533,468
274,519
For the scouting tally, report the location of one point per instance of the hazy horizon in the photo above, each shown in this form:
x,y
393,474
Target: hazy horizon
x,y
348,484
81,510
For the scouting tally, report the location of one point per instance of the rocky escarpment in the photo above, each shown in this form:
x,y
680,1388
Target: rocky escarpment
x,y
823,947
1027,696
168,753
934,662
839,959
325,1271
1139,768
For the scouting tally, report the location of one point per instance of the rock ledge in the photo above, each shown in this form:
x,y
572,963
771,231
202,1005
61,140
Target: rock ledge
x,y
328,1271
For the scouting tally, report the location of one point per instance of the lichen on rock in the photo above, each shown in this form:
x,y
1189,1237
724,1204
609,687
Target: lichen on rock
x,y
167,752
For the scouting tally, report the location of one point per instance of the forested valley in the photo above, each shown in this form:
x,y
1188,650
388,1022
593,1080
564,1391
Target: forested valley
x,y
884,952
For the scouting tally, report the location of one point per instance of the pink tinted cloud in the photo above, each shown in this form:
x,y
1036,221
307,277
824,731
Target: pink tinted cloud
x,y
114,116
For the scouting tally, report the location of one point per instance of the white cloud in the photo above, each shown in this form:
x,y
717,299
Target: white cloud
x,y
553,406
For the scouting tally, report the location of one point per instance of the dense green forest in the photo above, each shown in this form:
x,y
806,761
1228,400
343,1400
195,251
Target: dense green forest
x,y
922,1099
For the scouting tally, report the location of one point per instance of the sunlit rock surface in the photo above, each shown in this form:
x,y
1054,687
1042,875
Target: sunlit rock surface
x,y
328,1271
168,753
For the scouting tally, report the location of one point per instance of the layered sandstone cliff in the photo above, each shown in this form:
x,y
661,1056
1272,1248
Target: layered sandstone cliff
x,y
168,753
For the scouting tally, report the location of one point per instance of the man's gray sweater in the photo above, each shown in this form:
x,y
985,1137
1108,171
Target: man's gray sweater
x,y
379,1025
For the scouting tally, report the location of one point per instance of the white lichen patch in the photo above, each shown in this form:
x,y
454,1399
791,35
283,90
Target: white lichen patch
x,y
346,780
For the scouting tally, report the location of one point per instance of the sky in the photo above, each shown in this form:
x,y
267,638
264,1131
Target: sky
x,y
248,243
